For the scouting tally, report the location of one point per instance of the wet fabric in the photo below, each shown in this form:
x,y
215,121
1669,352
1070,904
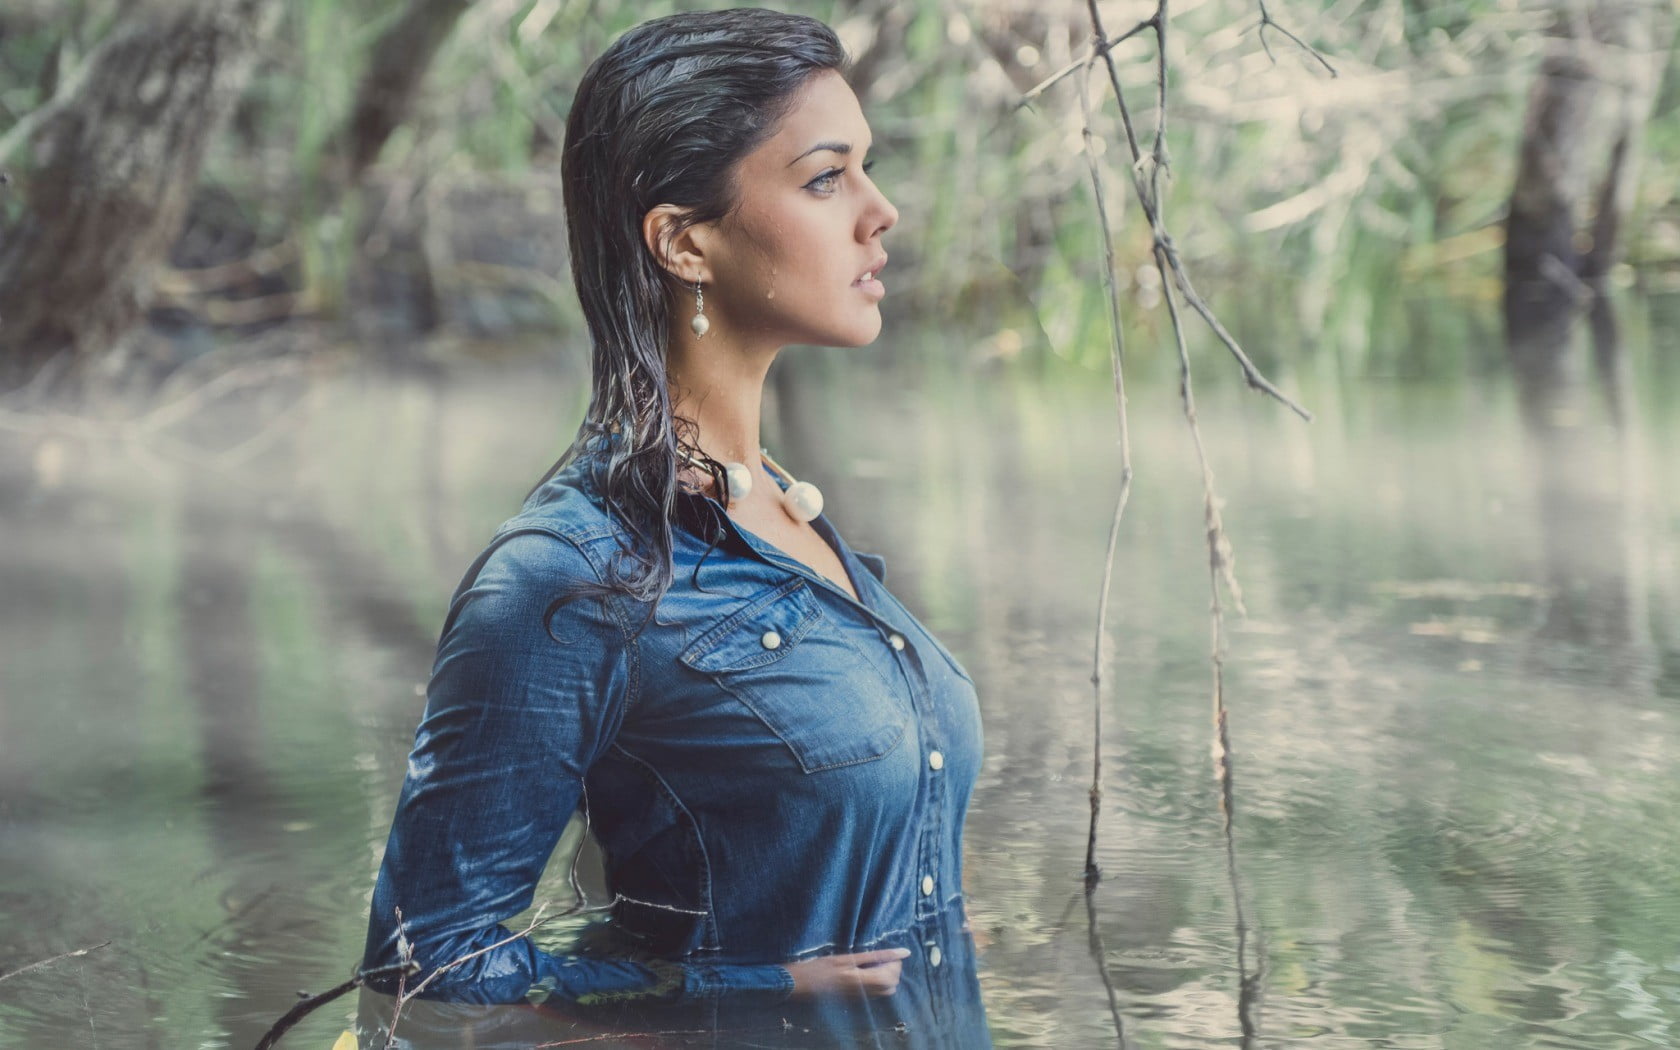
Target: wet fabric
x,y
934,1008
773,770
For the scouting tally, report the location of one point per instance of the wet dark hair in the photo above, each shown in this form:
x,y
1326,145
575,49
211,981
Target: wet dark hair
x,y
662,117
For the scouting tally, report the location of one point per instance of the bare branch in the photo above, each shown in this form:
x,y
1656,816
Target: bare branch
x,y
1146,173
1116,358
1251,374
1266,19
1148,192
1068,70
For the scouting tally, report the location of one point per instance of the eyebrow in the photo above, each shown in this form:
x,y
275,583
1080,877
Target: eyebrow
x,y
836,147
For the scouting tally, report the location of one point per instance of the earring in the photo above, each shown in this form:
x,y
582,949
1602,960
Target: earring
x,y
699,324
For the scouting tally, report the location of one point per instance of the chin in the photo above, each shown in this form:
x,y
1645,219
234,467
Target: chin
x,y
860,331
863,335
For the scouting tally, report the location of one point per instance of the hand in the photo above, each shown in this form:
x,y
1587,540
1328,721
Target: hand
x,y
866,973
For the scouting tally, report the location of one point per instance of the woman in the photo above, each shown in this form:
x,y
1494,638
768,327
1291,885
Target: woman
x,y
774,755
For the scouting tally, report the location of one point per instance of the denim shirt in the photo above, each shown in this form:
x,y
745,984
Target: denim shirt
x,y
773,770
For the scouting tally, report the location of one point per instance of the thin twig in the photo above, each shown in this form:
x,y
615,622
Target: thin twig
x,y
1251,374
1267,20
1116,358
1077,64
9,974
405,951
1220,558
604,1036
1148,198
315,1002
536,921
404,996
1146,172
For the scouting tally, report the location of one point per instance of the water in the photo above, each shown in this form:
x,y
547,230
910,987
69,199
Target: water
x,y
1451,701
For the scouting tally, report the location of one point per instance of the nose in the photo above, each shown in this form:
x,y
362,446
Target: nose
x,y
881,216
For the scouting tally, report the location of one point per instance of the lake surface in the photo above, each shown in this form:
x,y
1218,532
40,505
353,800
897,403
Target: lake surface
x,y
1452,702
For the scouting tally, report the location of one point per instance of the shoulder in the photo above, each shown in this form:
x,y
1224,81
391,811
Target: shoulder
x,y
529,571
571,507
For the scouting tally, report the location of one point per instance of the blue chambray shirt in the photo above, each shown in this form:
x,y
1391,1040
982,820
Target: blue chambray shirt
x,y
773,770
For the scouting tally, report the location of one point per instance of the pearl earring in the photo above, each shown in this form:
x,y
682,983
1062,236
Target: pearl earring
x,y
700,324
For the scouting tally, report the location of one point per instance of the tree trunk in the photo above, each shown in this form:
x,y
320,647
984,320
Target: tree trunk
x,y
114,165
396,65
1587,109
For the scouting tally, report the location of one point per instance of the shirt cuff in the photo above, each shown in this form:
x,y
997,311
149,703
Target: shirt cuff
x,y
768,984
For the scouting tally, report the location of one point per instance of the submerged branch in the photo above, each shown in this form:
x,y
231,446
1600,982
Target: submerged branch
x,y
315,1002
9,974
1100,953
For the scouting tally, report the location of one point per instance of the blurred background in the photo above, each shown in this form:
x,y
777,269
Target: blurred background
x,y
287,328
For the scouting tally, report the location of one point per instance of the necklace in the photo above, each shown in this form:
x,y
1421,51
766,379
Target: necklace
x,y
801,500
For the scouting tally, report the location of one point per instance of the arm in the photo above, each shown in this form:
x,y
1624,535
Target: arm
x,y
516,713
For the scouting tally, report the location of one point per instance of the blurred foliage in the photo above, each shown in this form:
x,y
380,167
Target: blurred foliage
x,y
1331,209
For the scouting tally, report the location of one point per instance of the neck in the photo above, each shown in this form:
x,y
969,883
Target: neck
x,y
720,386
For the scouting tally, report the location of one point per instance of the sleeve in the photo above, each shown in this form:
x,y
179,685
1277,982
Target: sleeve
x,y
516,712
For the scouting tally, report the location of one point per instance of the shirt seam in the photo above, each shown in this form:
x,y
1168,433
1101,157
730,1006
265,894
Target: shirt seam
x,y
699,840
632,649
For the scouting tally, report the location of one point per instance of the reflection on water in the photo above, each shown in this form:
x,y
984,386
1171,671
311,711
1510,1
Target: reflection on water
x,y
934,1008
1451,704
1586,457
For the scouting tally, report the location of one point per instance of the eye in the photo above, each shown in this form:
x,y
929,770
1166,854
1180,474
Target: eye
x,y
825,181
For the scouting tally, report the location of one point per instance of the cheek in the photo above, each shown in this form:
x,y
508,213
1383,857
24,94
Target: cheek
x,y
802,252
793,258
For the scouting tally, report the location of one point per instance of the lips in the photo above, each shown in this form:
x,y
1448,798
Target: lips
x,y
874,269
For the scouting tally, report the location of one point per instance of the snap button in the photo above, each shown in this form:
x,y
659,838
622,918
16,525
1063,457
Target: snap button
x,y
771,640
896,641
936,760
927,885
934,958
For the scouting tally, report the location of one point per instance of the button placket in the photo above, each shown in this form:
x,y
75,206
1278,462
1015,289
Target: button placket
x,y
915,676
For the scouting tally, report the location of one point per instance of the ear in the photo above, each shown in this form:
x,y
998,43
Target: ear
x,y
682,254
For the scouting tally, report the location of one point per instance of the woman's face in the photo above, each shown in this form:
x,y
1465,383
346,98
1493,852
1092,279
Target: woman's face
x,y
785,267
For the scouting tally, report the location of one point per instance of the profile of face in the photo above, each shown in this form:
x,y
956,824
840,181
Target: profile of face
x,y
785,266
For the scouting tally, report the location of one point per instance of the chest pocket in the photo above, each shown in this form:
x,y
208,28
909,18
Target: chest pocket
x,y
783,659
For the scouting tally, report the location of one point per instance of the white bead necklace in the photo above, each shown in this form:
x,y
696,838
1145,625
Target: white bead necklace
x,y
801,500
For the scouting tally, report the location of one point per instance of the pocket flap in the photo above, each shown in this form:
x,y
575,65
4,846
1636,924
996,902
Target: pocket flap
x,y
782,616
